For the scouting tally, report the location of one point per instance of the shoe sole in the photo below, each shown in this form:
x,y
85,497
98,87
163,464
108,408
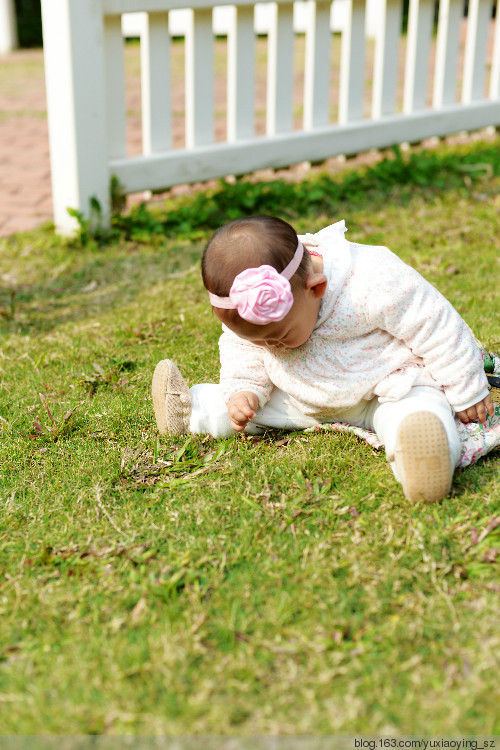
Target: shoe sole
x,y
159,388
422,458
168,381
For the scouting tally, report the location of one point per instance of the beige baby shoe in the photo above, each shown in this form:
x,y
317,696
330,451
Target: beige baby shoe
x,y
422,457
171,399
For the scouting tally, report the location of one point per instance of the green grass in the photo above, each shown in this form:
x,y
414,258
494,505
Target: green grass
x,y
251,585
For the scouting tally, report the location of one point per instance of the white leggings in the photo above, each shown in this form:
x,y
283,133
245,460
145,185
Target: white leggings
x,y
209,416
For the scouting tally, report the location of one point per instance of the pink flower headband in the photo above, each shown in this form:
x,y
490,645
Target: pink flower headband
x,y
261,295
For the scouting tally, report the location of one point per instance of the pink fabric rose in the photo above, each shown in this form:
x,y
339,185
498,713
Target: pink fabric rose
x,y
261,295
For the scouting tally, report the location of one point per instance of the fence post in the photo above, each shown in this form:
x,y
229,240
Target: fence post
x,y
76,107
8,27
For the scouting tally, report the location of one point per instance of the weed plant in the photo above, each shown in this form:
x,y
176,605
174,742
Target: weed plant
x,y
254,585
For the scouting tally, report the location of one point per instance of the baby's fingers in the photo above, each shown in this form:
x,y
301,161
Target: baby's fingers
x,y
241,412
467,415
484,408
470,414
248,411
238,422
237,415
490,406
479,411
238,426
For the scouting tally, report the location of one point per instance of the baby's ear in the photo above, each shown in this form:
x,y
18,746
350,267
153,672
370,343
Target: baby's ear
x,y
317,283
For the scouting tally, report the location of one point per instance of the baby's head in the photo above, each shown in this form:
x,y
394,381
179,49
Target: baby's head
x,y
263,252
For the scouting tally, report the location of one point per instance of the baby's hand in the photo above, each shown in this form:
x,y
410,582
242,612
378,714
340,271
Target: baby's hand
x,y
477,411
241,408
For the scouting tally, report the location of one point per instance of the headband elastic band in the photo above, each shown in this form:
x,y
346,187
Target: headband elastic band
x,y
227,303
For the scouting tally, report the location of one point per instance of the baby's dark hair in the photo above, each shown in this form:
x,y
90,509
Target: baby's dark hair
x,y
249,243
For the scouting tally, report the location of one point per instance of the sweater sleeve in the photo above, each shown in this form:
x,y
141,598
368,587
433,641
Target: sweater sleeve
x,y
408,307
242,368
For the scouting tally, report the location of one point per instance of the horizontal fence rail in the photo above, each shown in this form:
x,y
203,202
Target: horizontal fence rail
x,y
435,72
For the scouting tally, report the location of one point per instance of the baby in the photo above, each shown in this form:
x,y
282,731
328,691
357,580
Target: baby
x,y
318,329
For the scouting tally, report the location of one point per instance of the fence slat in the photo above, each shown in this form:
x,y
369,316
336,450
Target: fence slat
x,y
475,50
420,19
280,70
155,85
240,75
115,87
447,46
494,91
317,65
352,63
386,59
200,79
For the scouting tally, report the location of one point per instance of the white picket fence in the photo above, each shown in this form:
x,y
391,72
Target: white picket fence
x,y
84,60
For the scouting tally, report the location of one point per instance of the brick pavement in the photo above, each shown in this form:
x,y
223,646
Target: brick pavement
x,y
25,190
25,182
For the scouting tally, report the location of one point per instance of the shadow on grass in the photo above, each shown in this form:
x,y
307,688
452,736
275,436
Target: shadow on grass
x,y
139,252
102,283
479,478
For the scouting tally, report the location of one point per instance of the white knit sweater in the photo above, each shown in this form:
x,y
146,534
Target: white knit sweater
x,y
381,330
